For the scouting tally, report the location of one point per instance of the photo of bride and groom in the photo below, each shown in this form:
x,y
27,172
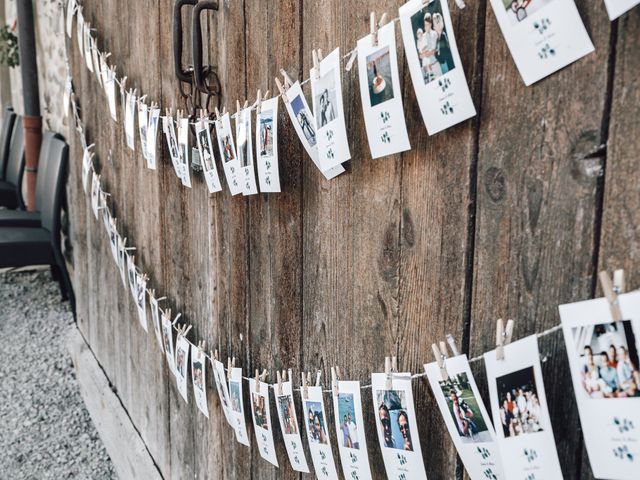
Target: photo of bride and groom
x,y
432,41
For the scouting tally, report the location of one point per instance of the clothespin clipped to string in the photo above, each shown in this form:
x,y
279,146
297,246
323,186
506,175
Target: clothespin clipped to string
x,y
460,4
282,91
440,352
316,63
175,320
306,380
503,337
612,290
287,79
375,26
214,354
260,378
279,380
335,377
387,371
230,364
217,113
452,345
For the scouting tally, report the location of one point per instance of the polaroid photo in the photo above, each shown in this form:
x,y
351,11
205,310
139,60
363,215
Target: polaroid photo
x,y
352,444
207,159
143,124
466,418
436,70
183,148
290,428
86,44
167,340
236,406
247,176
129,120
152,137
87,164
227,149
198,377
220,377
543,36
615,8
141,295
71,10
132,276
328,110
110,89
95,194
397,426
182,358
381,93
155,319
262,420
80,30
519,407
169,130
267,145
604,362
122,260
305,126
317,427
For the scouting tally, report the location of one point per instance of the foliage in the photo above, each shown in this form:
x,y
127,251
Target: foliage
x,y
9,47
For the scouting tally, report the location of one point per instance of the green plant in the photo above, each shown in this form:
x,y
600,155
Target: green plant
x,y
9,47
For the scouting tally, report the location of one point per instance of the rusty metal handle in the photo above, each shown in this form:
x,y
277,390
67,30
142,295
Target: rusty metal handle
x,y
184,75
200,72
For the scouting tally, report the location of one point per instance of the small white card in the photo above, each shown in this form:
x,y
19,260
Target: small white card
x,y
290,428
155,319
603,356
262,420
317,426
71,10
110,89
227,148
519,408
397,426
236,403
542,35
169,130
207,160
267,145
152,137
247,176
198,376
220,378
183,149
434,63
381,93
305,126
466,418
141,295
182,358
328,110
129,120
615,8
143,124
87,162
167,339
95,194
352,444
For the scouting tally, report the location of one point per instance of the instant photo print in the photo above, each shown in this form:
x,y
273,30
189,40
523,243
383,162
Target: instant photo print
x,y
615,8
143,124
290,429
207,159
183,148
542,35
519,407
172,144
167,340
110,90
155,318
466,418
129,120
245,152
236,406
436,70
317,427
182,358
397,426
220,378
262,420
381,93
141,304
305,126
267,146
198,377
352,444
331,131
87,161
227,148
604,363
152,137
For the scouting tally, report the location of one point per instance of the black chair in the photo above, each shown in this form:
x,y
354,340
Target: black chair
x,y
24,246
8,119
22,218
10,188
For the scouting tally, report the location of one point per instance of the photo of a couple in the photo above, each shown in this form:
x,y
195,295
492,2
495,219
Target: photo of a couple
x,y
608,360
325,105
432,41
348,427
393,419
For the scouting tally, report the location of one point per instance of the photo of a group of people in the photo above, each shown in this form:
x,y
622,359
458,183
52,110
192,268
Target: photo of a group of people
x,y
287,414
379,76
464,409
432,41
519,10
266,133
325,106
317,424
260,410
519,404
305,119
348,426
393,419
608,360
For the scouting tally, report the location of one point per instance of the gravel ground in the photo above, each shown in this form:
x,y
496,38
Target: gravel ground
x,y
45,430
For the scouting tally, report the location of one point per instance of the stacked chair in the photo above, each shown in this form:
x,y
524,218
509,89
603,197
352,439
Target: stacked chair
x,y
34,238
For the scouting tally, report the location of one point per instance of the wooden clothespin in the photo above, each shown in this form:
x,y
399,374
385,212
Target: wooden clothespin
x,y
387,371
229,365
217,113
215,354
503,337
375,26
237,110
334,380
282,91
612,290
258,102
316,63
305,384
287,79
452,345
440,352
279,380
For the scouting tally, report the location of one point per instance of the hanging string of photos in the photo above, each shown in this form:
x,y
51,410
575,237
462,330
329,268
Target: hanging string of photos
x,y
600,337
